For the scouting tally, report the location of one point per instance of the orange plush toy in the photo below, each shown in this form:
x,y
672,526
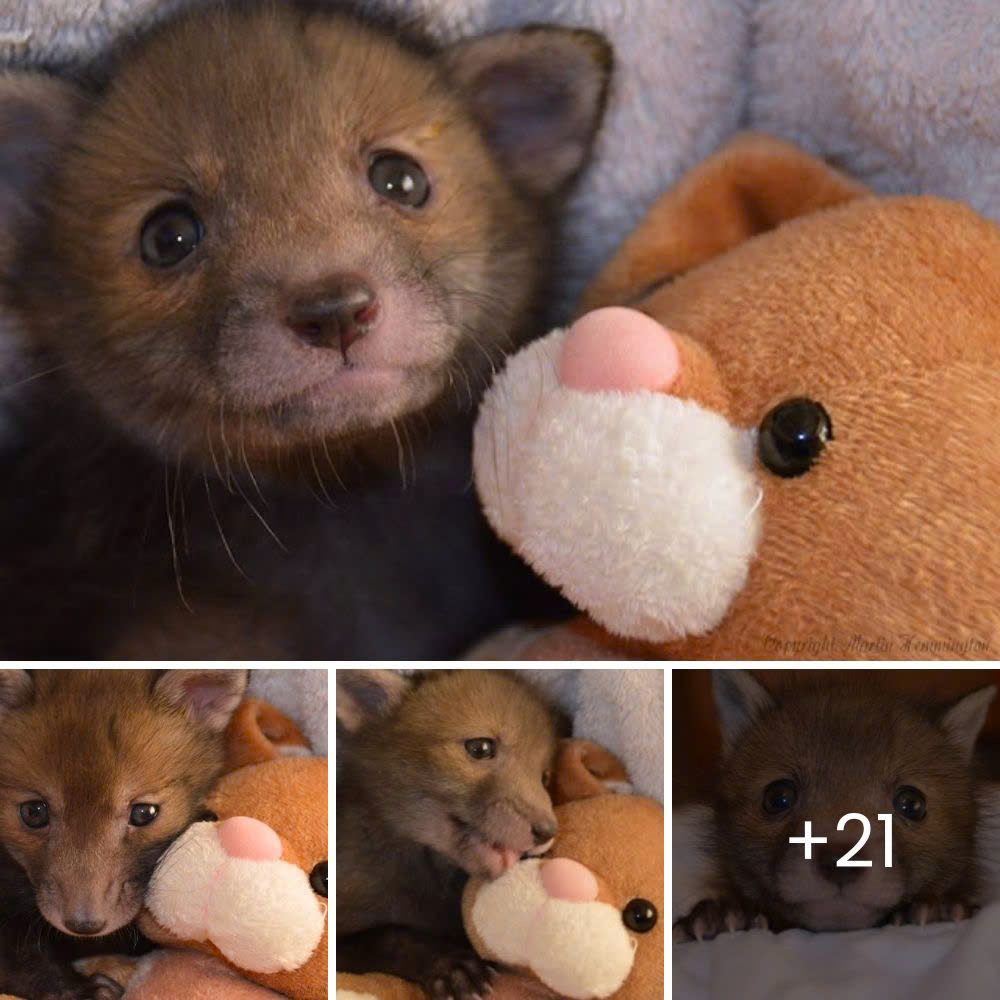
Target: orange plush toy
x,y
583,922
240,902
780,439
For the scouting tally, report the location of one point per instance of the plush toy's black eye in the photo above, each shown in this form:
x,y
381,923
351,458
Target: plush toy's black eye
x,y
398,178
317,879
792,435
910,802
206,816
143,813
639,915
779,796
170,234
34,814
481,749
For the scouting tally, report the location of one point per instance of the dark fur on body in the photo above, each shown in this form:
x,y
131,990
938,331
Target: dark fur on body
x,y
91,744
413,811
848,745
188,438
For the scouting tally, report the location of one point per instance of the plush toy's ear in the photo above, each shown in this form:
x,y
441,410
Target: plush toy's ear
x,y
584,769
37,114
258,732
364,695
751,185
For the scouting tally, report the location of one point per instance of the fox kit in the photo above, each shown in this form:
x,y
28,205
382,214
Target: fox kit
x,y
266,263
815,753
442,777
99,771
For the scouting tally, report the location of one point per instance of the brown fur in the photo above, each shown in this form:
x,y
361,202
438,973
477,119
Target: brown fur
x,y
192,360
847,744
186,437
406,778
92,744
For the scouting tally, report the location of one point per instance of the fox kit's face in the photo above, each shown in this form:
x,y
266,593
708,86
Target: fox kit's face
x,y
274,232
100,771
471,753
820,756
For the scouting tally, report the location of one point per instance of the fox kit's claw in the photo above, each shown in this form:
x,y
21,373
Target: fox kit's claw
x,y
930,911
713,916
462,977
106,989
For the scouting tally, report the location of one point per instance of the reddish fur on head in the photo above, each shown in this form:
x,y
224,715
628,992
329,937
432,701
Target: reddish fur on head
x,y
92,744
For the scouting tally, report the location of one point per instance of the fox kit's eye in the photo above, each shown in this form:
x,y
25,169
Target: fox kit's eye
x,y
639,915
398,178
481,749
779,796
910,802
170,234
35,814
317,879
546,778
143,813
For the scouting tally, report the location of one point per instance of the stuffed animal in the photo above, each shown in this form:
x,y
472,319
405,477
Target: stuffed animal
x,y
241,901
785,447
584,922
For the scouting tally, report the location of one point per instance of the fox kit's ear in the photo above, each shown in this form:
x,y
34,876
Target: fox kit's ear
x,y
16,689
739,699
538,93
209,696
37,114
363,695
964,720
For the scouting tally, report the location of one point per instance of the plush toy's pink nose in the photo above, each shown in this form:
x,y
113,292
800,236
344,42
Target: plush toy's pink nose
x,y
563,878
618,348
243,837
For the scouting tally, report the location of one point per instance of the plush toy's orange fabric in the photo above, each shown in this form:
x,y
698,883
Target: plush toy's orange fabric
x,y
884,310
290,796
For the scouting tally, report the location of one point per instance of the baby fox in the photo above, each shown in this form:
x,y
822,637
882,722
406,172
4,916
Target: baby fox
x,y
270,256
99,771
796,763
442,776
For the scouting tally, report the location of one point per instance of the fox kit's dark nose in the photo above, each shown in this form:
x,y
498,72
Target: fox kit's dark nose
x,y
85,926
840,876
335,314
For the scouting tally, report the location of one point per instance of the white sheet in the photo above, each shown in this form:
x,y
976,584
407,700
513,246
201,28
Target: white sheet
x,y
942,961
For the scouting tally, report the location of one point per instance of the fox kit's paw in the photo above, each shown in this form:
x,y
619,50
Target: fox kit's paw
x,y
95,988
713,916
930,911
460,976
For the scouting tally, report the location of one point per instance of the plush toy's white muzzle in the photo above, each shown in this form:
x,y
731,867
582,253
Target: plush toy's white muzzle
x,y
642,507
577,946
223,883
